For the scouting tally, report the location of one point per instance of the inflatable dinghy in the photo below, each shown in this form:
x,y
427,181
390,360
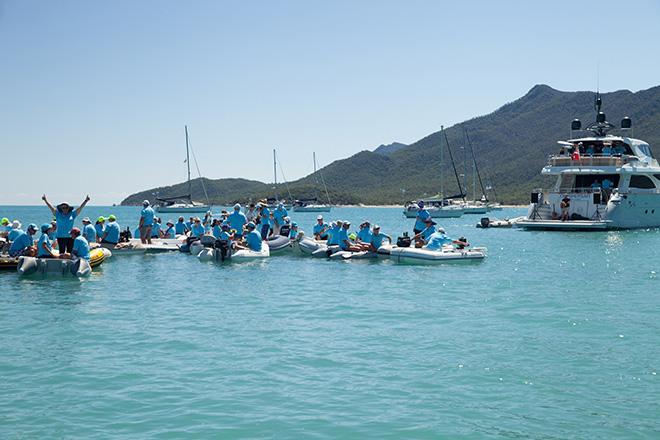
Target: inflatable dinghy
x,y
427,256
279,244
8,263
221,254
486,223
349,255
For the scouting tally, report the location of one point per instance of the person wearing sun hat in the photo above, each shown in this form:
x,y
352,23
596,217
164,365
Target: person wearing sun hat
x,y
422,237
23,244
80,246
45,245
146,222
111,232
88,230
169,232
65,215
15,230
100,226
420,220
252,239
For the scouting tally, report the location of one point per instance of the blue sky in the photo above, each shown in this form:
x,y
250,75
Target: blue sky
x,y
95,94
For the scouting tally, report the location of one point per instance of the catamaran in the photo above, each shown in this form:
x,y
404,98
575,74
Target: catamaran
x,y
603,182
184,203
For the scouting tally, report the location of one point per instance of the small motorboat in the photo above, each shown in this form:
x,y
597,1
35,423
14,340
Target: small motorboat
x,y
427,256
221,254
55,266
486,222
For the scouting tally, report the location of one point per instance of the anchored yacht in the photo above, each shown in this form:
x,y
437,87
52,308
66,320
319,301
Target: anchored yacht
x,y
603,182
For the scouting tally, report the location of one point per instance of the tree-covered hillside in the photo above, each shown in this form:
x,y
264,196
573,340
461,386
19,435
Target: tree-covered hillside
x,y
511,145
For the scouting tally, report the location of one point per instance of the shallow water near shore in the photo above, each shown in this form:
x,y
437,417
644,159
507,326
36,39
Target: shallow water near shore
x,y
554,335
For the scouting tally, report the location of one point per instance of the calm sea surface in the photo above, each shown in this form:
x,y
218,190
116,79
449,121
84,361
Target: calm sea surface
x,y
554,335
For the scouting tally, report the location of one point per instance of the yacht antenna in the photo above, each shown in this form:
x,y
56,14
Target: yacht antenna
x,y
188,162
451,156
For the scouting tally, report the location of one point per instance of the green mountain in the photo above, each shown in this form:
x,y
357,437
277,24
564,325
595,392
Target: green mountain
x,y
511,146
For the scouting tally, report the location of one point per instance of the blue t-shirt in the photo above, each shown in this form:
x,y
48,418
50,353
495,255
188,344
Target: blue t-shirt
x,y
607,184
52,235
89,232
236,221
253,240
40,249
155,230
81,248
265,216
64,223
437,240
343,237
279,215
198,230
21,242
217,230
112,229
377,239
293,234
333,235
224,235
14,233
169,232
318,228
426,233
100,229
422,215
148,215
180,228
364,235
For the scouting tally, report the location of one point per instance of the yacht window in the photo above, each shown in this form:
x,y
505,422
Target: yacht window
x,y
638,181
657,176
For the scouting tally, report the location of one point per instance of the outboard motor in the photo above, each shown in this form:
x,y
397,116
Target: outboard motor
x,y
222,250
485,222
125,236
462,243
404,241
285,230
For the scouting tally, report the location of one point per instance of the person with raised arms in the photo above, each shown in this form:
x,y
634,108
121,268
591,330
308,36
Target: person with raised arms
x,y
23,244
44,245
146,222
65,215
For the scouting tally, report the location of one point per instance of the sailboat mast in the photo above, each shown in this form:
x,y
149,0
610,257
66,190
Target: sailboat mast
x,y
476,168
442,180
188,162
275,173
314,156
453,164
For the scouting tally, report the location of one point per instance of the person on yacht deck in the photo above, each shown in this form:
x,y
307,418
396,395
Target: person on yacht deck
x,y
607,183
619,150
420,220
590,150
595,184
565,206
607,151
264,216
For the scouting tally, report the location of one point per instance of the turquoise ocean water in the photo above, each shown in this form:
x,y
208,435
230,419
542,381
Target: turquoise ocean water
x,y
553,336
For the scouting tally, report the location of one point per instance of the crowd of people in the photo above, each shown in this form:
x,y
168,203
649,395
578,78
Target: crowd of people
x,y
243,230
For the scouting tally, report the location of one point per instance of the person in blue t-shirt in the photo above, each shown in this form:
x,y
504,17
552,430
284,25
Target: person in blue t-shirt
x,y
111,232
607,150
364,233
189,224
23,245
422,237
294,234
100,226
52,234
15,230
237,220
65,215
5,227
252,239
344,242
279,215
333,233
320,229
169,232
80,246
420,220
156,228
264,216
377,238
146,222
437,240
181,227
88,230
224,232
216,228
44,245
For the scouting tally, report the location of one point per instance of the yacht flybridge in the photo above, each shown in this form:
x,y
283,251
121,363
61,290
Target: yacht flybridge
x,y
603,182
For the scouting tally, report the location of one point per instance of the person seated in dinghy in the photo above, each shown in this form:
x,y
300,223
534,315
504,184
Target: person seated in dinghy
x,y
99,227
156,228
285,229
181,227
23,244
5,227
364,235
422,237
169,232
279,216
197,231
333,233
377,239
251,240
88,230
45,245
80,247
439,239
15,230
295,234
344,242
320,230
251,213
112,231
237,220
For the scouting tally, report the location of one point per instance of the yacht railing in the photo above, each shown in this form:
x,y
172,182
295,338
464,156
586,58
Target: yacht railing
x,y
597,161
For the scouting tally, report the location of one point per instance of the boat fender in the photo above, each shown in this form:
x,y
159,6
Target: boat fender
x,y
27,265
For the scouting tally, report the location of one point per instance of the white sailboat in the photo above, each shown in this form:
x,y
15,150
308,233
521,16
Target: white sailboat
x,y
184,203
313,205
